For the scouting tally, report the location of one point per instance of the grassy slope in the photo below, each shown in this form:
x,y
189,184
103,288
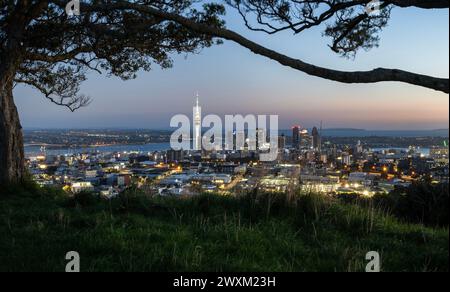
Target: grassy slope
x,y
207,233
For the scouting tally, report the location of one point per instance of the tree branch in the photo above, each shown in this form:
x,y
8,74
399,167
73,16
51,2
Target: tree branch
x,y
424,4
373,76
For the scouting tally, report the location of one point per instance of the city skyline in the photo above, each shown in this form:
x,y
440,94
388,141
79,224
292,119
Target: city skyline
x,y
228,77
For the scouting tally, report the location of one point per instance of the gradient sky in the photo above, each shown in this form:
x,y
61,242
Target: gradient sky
x,y
232,80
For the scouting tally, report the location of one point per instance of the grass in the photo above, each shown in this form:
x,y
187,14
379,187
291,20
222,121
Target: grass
x,y
207,233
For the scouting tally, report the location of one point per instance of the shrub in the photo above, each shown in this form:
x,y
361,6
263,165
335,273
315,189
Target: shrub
x,y
421,203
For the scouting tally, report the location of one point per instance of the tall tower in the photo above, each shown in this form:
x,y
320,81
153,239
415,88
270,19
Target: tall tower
x,y
197,126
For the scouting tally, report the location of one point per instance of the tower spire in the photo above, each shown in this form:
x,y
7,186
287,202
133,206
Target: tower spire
x,y
197,125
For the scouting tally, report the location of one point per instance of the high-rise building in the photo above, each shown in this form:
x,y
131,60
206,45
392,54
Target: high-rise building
x,y
240,141
359,147
347,159
296,137
175,156
281,142
316,139
197,126
261,139
305,138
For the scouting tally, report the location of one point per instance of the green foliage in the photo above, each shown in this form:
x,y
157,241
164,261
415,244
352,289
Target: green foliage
x,y
83,199
421,203
346,23
54,53
256,232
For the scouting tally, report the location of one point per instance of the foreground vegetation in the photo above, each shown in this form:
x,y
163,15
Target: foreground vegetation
x,y
207,233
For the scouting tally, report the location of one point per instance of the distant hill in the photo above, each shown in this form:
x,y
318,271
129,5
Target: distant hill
x,y
344,129
350,132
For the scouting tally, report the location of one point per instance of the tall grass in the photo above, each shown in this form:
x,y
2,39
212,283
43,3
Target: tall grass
x,y
253,232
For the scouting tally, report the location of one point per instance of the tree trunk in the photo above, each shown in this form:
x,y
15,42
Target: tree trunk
x,y
12,158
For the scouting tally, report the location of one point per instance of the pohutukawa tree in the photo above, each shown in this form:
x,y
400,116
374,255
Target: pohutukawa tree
x,y
42,47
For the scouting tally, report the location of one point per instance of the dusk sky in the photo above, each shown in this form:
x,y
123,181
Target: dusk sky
x,y
232,80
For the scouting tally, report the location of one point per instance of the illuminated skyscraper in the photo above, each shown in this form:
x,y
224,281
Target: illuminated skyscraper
x,y
305,138
197,126
260,138
316,139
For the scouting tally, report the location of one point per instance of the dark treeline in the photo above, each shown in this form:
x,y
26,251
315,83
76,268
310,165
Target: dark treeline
x,y
422,202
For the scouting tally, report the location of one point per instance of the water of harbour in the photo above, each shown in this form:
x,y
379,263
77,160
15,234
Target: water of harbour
x,y
36,150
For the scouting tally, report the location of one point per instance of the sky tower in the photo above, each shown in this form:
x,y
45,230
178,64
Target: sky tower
x,y
197,126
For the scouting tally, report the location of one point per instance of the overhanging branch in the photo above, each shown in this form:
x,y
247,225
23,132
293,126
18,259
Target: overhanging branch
x,y
424,4
372,76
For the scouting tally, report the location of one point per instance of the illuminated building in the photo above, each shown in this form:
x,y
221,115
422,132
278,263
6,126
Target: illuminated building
x,y
316,139
260,138
197,126
439,154
359,147
175,156
79,187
